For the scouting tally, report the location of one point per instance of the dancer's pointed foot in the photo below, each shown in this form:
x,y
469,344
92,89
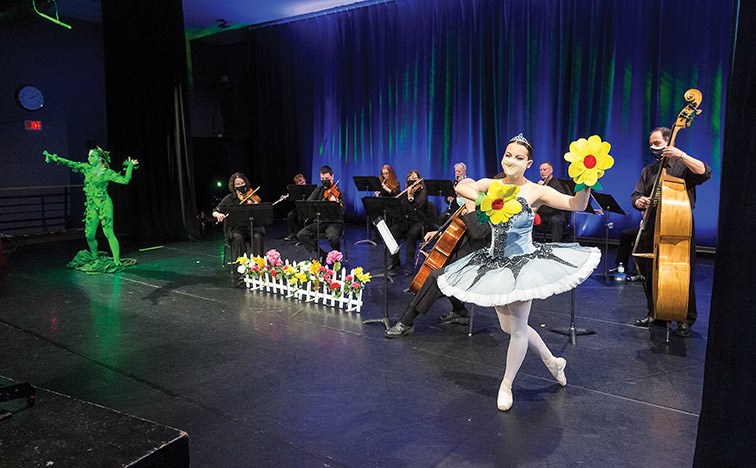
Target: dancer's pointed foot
x,y
556,367
504,400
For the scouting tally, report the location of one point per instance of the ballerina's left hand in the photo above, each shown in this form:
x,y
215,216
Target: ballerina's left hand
x,y
589,159
131,162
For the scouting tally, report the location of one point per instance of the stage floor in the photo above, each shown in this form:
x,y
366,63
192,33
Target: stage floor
x,y
258,380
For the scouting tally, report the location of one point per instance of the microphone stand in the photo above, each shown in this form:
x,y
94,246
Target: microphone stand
x,y
572,331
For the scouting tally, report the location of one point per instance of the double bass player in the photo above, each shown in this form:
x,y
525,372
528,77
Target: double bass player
x,y
693,172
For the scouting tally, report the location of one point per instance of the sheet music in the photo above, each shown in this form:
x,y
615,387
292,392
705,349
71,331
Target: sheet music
x,y
386,235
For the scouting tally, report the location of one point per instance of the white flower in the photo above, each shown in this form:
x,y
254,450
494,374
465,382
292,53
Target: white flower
x,y
241,269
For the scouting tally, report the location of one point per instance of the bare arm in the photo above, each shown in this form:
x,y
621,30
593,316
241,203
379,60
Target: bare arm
x,y
550,197
469,188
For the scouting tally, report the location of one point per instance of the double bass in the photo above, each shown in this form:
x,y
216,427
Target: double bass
x,y
670,209
446,238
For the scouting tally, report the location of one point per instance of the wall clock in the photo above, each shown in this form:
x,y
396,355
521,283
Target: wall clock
x,y
30,98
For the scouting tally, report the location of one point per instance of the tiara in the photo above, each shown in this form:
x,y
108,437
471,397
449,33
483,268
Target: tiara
x,y
522,140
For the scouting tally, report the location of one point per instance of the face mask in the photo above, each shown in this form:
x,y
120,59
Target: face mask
x,y
657,151
241,188
326,183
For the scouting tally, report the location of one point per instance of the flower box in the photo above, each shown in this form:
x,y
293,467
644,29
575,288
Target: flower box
x,y
307,281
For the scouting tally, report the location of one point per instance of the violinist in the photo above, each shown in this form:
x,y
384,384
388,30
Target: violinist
x,y
389,182
292,219
332,228
694,172
412,226
237,237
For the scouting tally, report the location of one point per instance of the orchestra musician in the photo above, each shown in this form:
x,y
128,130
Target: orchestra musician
x,y
552,220
410,228
237,237
694,172
476,236
332,229
292,218
389,182
460,173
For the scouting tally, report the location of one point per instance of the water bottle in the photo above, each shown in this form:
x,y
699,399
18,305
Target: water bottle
x,y
620,275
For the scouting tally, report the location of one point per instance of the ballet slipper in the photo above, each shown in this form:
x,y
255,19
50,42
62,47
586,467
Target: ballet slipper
x,y
504,400
556,367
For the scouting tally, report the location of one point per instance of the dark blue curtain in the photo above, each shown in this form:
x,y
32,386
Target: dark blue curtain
x,y
424,84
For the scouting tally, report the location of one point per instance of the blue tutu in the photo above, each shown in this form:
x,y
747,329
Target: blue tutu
x,y
514,268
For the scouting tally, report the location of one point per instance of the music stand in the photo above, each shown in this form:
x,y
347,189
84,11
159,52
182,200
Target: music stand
x,y
321,211
367,184
572,331
300,192
440,188
377,206
608,204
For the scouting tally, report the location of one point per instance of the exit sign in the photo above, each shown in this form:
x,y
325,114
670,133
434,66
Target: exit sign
x,y
35,125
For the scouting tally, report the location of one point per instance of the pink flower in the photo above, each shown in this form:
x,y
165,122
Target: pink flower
x,y
355,285
333,257
273,257
349,278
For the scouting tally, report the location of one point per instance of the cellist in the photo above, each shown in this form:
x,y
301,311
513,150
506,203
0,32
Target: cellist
x,y
477,235
694,172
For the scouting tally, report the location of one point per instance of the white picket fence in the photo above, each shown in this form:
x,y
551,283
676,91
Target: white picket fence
x,y
348,301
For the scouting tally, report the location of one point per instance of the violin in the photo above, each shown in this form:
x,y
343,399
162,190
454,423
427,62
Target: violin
x,y
249,197
332,193
410,191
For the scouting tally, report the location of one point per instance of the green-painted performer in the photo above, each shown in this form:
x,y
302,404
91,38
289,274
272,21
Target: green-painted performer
x,y
98,206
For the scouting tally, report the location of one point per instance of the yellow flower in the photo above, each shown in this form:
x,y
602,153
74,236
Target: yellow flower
x,y
301,277
360,275
259,261
588,161
315,267
242,260
500,203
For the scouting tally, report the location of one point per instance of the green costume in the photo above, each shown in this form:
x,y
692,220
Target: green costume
x,y
98,206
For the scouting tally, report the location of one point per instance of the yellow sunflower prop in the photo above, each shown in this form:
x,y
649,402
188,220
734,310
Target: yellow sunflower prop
x,y
588,161
499,204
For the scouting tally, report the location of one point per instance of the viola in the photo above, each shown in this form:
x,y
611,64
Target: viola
x,y
416,185
332,193
249,197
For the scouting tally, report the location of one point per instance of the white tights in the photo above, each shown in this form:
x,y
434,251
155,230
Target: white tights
x,y
514,321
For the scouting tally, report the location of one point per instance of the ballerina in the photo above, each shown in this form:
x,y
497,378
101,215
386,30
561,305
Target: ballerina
x,y
513,271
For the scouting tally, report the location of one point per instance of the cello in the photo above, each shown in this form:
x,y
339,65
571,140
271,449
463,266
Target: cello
x,y
450,234
673,221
